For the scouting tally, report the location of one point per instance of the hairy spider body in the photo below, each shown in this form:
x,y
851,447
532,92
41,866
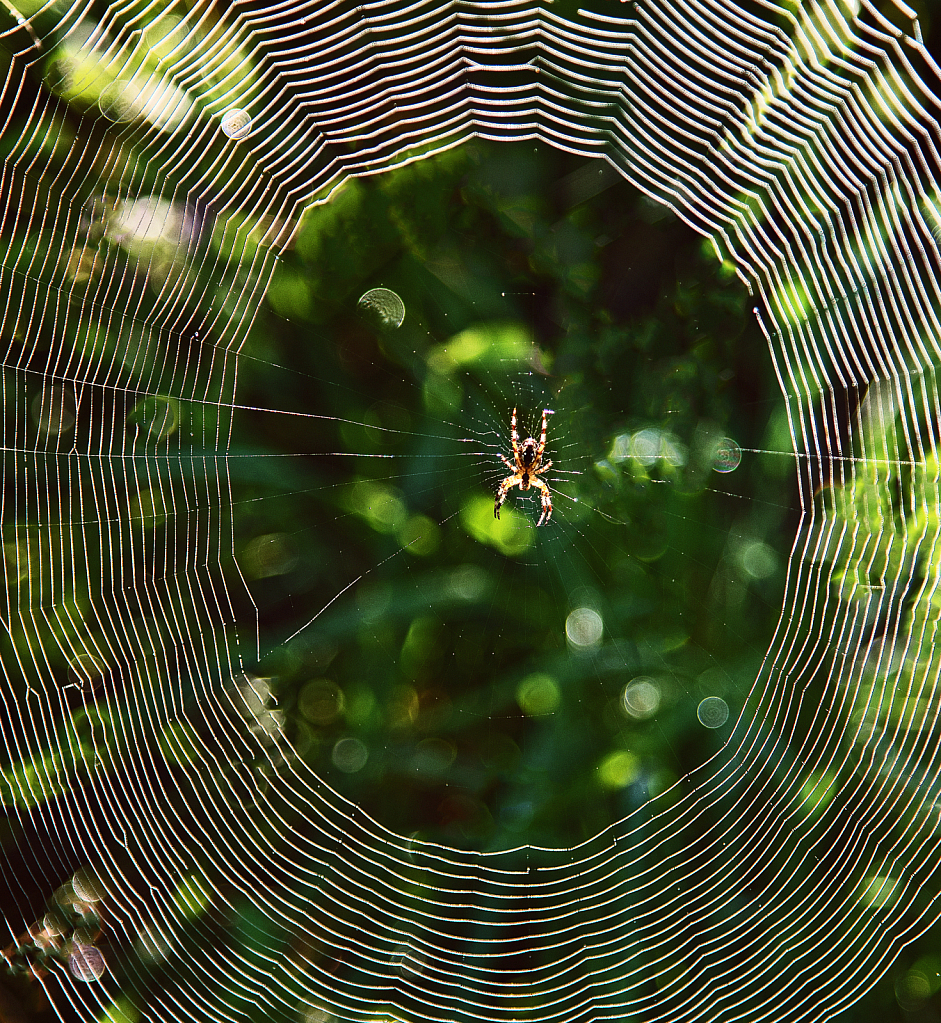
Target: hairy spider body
x,y
526,468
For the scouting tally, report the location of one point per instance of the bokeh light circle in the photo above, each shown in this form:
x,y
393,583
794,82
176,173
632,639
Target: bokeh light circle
x,y
641,698
584,627
727,456
236,123
350,755
713,712
86,963
384,306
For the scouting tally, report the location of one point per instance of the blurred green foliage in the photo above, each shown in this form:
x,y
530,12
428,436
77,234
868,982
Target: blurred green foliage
x,y
452,694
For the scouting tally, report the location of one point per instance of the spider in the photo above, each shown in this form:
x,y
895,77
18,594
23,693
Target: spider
x,y
526,468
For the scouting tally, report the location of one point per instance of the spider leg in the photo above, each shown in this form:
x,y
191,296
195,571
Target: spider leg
x,y
542,468
546,499
514,436
508,463
542,439
505,487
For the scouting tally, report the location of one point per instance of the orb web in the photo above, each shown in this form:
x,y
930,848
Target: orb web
x,y
138,244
